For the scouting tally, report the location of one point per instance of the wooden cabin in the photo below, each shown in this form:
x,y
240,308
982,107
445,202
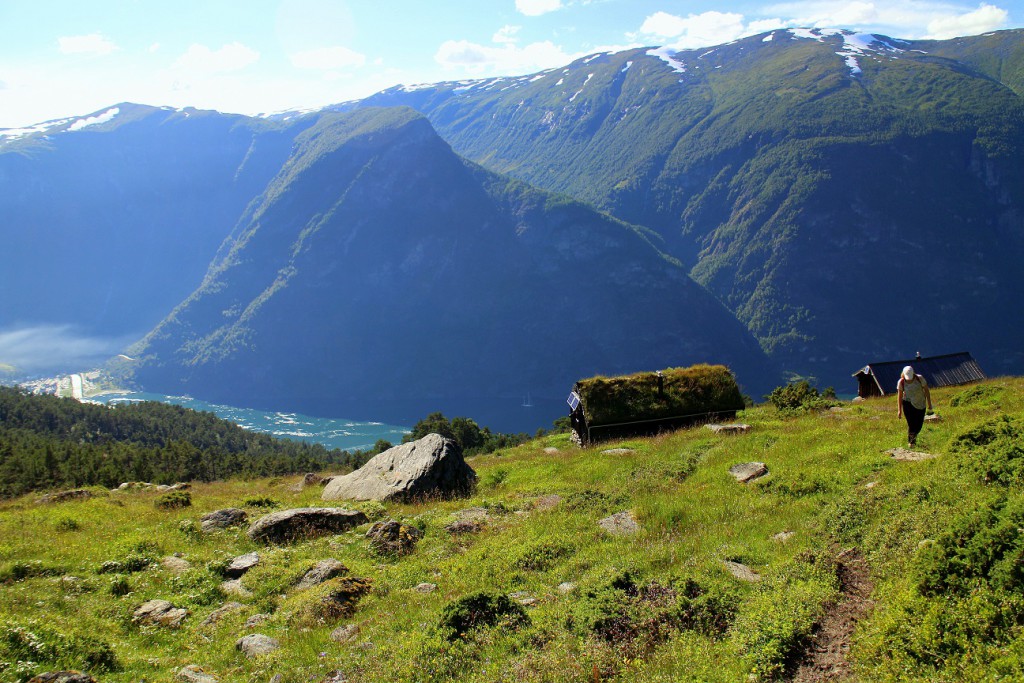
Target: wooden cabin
x,y
880,379
646,403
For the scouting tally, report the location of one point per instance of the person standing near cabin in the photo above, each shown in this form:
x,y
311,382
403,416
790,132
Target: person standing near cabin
x,y
912,399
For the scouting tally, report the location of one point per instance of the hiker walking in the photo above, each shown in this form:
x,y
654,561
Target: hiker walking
x,y
912,398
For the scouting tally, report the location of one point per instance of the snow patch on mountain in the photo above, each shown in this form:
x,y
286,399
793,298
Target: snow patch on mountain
x,y
104,117
667,55
854,44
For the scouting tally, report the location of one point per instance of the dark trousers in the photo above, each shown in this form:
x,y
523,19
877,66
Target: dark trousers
x,y
915,420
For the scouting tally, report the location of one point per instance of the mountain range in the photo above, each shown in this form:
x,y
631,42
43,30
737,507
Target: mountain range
x,y
795,203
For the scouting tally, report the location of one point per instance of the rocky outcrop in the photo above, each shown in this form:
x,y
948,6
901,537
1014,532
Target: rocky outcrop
x,y
393,538
159,613
63,677
241,564
288,525
323,570
222,519
256,644
64,496
428,468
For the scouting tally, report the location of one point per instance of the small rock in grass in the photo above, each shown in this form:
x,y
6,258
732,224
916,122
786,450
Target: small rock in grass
x,y
741,571
784,536
748,471
735,428
222,519
175,565
904,455
425,588
195,674
566,587
159,613
323,570
256,644
345,634
257,619
620,524
241,564
235,587
221,612
63,677
617,451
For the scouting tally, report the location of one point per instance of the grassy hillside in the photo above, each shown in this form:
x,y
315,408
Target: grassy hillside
x,y
935,544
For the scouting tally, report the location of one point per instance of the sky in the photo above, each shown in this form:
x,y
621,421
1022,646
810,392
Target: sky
x,y
68,58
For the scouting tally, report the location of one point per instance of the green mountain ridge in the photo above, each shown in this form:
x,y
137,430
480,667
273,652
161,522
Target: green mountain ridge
x,y
799,189
380,273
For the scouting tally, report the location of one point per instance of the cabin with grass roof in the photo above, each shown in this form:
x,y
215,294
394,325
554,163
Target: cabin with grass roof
x,y
949,370
646,403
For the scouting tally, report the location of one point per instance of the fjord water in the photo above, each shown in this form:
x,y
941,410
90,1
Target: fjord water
x,y
339,433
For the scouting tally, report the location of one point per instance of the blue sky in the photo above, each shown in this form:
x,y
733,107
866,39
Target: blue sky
x,y
63,58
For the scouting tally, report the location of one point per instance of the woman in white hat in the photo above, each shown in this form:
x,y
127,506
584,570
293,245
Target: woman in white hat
x,y
912,398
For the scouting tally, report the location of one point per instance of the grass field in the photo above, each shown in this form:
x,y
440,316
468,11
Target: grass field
x,y
657,605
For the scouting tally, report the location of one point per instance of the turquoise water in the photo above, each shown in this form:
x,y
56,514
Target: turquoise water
x,y
331,432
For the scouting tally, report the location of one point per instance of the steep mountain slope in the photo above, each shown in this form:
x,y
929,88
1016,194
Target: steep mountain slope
x,y
381,276
111,220
848,196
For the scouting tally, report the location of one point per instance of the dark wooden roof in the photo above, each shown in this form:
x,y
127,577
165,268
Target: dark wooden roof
x,y
939,371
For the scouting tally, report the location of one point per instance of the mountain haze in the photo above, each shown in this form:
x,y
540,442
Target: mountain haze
x,y
380,273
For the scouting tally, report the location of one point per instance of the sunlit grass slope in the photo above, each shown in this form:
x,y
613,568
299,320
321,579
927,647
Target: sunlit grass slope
x,y
940,538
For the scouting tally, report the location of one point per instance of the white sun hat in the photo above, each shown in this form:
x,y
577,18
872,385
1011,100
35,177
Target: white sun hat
x,y
908,373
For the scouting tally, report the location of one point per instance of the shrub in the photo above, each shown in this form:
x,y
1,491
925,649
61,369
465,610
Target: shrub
x,y
993,451
801,396
19,571
478,610
542,556
174,500
67,524
260,502
43,646
334,600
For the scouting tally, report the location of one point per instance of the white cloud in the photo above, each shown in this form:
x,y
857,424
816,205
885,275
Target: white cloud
x,y
154,48
326,58
55,347
231,57
506,34
695,30
91,44
507,59
535,8
904,19
985,18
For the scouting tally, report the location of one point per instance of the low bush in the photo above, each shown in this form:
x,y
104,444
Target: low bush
x,y
174,500
801,396
44,649
478,610
993,451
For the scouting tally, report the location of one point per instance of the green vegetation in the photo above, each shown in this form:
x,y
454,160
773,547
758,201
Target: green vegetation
x,y
48,442
675,392
473,439
538,591
802,396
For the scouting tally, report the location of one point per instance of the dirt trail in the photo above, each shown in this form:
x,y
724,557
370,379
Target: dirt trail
x,y
825,658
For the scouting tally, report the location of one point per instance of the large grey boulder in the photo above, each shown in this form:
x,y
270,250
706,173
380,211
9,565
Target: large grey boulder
x,y
288,525
430,467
